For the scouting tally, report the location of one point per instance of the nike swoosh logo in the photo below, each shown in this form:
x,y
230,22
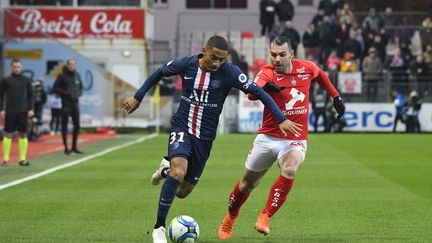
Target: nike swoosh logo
x,y
279,79
186,77
196,178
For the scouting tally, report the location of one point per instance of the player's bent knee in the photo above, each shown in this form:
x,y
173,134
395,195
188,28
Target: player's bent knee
x,y
177,174
291,172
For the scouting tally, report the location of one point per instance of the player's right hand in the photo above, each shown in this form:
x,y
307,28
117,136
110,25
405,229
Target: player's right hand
x,y
272,87
292,127
2,114
131,105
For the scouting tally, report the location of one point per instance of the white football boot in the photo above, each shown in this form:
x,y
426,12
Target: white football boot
x,y
157,175
159,235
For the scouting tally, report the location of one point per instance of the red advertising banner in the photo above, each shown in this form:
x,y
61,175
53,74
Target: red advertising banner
x,y
74,23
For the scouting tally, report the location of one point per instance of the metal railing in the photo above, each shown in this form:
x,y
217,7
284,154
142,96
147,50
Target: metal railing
x,y
381,89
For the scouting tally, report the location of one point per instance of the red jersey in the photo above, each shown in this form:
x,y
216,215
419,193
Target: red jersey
x,y
294,99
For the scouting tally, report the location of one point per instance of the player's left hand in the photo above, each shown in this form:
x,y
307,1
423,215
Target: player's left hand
x,y
131,105
339,106
292,127
272,87
30,113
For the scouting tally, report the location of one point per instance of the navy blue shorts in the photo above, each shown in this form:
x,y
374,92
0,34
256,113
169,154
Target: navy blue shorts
x,y
196,151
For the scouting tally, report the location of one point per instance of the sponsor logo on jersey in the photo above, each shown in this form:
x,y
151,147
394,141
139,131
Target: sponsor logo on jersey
x,y
175,145
300,70
215,83
303,76
242,78
249,82
280,78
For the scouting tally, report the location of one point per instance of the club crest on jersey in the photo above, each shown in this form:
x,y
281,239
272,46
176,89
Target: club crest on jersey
x,y
242,78
215,83
293,81
175,145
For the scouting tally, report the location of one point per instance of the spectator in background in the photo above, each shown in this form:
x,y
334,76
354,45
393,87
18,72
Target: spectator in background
x,y
348,63
339,4
319,100
427,56
40,98
412,108
243,65
274,32
328,36
351,45
292,34
333,62
396,65
372,68
389,20
318,19
426,33
267,15
368,35
374,20
56,108
285,11
380,46
233,54
311,42
420,71
406,53
399,102
69,85
326,6
343,30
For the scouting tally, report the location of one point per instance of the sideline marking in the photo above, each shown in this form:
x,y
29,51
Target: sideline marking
x,y
75,162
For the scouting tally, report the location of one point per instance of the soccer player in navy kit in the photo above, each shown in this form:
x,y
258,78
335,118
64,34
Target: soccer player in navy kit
x,y
207,80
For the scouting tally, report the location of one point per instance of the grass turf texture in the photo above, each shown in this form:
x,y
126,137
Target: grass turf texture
x,y
352,187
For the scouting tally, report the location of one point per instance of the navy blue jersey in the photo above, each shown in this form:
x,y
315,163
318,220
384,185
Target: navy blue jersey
x,y
204,94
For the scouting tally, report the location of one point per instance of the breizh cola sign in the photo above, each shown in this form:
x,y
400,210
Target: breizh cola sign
x,y
74,23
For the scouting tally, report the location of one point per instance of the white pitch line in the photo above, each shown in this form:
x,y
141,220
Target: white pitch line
x,y
75,162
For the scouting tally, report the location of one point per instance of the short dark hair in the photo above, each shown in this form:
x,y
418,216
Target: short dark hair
x,y
70,59
280,40
15,60
218,42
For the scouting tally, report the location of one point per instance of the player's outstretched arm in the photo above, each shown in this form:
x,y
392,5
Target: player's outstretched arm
x,y
131,104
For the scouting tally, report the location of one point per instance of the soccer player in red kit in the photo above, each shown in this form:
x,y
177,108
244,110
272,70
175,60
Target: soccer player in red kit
x,y
288,81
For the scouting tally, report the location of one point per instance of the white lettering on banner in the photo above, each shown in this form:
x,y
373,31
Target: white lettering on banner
x,y
101,24
378,117
33,22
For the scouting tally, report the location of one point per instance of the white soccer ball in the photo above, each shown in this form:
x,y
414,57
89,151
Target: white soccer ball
x,y
183,229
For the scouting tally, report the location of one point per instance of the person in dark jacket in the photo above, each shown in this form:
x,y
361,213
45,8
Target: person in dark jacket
x,y
285,11
16,108
267,15
69,86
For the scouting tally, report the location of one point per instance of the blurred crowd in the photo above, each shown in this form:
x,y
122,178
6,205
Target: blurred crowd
x,y
380,45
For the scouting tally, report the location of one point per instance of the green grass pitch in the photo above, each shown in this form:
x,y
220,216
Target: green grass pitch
x,y
352,187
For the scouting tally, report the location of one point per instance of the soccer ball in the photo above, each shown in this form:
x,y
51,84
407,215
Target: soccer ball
x,y
183,229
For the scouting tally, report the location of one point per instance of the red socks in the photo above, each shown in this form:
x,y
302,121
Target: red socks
x,y
278,194
236,200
